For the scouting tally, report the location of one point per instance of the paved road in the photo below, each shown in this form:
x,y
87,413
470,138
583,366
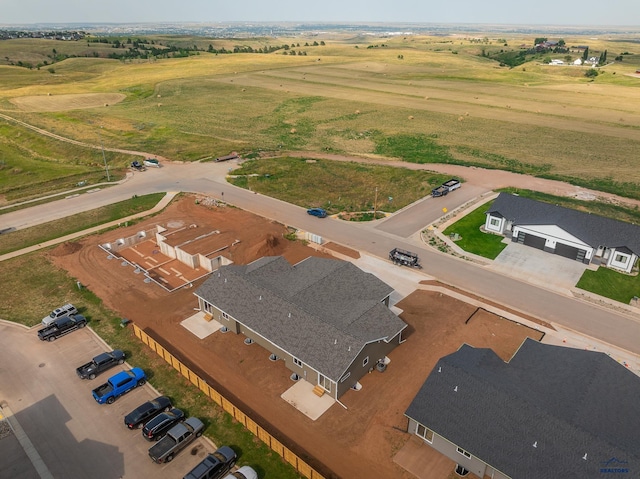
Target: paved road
x,y
208,178
75,436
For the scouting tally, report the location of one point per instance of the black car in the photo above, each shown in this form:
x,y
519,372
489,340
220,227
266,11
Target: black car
x,y
157,427
215,465
62,326
145,412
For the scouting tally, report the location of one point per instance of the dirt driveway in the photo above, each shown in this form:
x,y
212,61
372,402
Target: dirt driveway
x,y
353,442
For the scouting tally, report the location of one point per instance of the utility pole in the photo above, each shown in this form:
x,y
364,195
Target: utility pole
x,y
375,205
103,155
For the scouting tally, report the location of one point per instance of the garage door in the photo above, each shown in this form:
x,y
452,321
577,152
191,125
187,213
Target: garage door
x,y
535,241
567,251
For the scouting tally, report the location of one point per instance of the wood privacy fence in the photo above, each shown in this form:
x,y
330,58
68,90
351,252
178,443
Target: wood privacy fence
x,y
284,452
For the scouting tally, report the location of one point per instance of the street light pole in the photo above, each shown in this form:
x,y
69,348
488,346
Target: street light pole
x,y
103,155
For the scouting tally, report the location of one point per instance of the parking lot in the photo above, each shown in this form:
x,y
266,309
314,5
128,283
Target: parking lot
x,y
73,435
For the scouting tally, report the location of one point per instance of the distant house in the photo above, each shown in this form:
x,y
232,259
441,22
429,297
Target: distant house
x,y
556,62
551,412
327,319
577,62
570,233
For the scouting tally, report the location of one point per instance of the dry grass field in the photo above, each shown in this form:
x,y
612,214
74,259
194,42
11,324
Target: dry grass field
x,y
427,99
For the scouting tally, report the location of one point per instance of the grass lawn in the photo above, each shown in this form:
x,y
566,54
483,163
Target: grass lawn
x,y
54,229
48,287
610,284
472,239
336,186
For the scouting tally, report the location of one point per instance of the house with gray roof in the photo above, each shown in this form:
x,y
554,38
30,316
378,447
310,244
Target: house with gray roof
x,y
550,412
580,236
327,319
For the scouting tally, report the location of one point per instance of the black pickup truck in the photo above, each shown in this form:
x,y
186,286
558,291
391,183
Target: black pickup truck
x,y
100,363
62,326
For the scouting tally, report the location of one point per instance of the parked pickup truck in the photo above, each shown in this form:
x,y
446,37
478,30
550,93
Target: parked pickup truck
x,y
117,385
446,188
178,437
100,363
62,326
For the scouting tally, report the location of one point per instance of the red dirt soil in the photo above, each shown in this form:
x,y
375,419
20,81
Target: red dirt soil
x,y
357,442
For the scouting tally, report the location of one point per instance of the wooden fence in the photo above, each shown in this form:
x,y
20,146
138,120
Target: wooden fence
x,y
285,453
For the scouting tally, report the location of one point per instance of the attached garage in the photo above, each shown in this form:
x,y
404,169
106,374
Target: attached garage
x,y
567,251
531,240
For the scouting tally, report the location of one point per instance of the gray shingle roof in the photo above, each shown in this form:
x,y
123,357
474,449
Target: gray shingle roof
x,y
569,402
594,230
322,311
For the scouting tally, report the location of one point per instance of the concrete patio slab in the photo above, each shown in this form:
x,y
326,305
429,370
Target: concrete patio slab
x,y
301,397
423,461
200,326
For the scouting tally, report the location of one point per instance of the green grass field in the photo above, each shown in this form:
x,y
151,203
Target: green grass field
x,y
441,101
611,284
335,186
472,239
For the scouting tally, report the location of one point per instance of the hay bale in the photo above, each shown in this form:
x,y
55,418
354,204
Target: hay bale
x,y
466,113
461,118
426,97
357,112
159,105
159,96
293,131
410,117
48,94
244,89
106,104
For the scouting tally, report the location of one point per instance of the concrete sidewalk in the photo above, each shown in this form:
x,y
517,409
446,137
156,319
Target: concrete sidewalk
x,y
159,207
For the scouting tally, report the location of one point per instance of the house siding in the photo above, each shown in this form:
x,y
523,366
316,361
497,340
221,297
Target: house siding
x,y
450,450
375,352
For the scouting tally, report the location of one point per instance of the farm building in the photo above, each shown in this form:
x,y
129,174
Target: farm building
x,y
550,412
328,320
570,233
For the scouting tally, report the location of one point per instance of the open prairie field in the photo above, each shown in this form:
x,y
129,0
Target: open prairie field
x,y
421,99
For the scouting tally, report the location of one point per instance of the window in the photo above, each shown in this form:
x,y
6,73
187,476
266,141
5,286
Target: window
x,y
297,362
463,452
365,361
495,222
423,432
621,258
344,378
225,315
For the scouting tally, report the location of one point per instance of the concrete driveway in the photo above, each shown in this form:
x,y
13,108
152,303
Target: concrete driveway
x,y
73,435
538,267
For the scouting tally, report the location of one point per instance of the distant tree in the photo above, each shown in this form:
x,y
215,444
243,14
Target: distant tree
x,y
546,60
591,73
567,58
561,43
400,57
539,40
51,70
585,55
315,44
322,42
618,58
54,51
306,44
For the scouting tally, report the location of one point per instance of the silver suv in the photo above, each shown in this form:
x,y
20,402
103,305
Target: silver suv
x,y
65,310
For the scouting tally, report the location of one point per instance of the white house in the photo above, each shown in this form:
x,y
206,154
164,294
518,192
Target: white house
x,y
570,233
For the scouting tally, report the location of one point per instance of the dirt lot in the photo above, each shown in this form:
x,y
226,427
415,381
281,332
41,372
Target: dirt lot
x,y
355,442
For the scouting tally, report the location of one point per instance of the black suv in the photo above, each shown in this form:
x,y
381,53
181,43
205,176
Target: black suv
x,y
144,412
215,465
157,427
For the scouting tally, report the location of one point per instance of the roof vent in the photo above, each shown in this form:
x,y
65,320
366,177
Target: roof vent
x,y
349,348
335,341
225,280
218,274
440,369
289,314
585,456
455,389
535,444
260,298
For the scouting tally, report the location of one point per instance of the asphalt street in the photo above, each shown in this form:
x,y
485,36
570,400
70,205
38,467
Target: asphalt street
x,y
617,328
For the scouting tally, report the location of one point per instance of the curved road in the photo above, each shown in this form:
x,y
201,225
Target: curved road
x,y
618,329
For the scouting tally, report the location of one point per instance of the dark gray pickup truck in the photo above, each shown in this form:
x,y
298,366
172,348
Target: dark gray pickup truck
x,y
178,437
99,364
62,326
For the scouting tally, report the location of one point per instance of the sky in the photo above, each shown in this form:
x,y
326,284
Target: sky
x,y
508,12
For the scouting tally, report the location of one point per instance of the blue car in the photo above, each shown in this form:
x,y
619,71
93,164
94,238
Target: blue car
x,y
319,212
